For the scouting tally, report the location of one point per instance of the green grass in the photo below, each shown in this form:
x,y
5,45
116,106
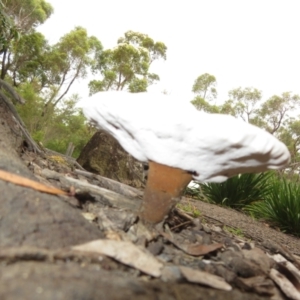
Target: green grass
x,y
281,206
189,208
234,231
239,191
263,196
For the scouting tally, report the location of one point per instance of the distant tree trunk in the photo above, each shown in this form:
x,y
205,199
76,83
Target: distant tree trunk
x,y
70,149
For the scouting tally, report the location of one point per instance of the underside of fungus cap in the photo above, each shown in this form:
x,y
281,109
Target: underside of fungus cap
x,y
170,131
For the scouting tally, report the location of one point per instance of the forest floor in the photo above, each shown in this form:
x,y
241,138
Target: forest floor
x,y
243,225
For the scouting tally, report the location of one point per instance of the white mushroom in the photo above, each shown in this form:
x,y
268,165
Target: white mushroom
x,y
172,135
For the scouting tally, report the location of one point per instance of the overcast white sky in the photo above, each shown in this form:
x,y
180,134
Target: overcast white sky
x,y
242,43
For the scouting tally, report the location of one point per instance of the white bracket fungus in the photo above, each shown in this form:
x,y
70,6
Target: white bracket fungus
x,y
176,138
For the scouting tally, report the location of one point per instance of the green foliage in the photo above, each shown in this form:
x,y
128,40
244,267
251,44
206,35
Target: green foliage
x,y
228,108
65,62
138,85
244,102
28,14
127,64
281,206
31,111
234,231
275,110
238,191
18,18
28,62
190,209
156,49
205,86
61,125
265,196
8,30
203,105
290,136
68,125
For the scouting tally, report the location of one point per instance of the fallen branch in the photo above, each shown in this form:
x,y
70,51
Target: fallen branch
x,y
25,182
113,185
80,186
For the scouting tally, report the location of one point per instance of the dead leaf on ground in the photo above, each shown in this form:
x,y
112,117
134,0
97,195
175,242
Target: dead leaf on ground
x,y
193,249
261,285
205,278
198,249
285,285
283,261
126,253
89,216
25,182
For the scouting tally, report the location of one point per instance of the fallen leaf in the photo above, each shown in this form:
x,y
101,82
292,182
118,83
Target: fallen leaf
x,y
89,216
278,248
113,235
126,253
292,268
283,269
198,249
285,285
197,276
22,181
193,249
259,284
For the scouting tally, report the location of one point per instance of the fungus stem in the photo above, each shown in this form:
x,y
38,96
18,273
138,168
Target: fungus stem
x,y
164,188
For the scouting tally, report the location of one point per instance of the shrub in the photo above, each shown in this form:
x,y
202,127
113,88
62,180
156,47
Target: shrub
x,y
238,191
281,206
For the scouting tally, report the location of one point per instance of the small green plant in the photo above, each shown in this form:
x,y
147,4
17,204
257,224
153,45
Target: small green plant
x,y
281,206
193,190
238,191
234,231
189,208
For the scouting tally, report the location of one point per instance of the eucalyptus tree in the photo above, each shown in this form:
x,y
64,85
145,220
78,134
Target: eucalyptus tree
x,y
67,61
203,105
27,14
245,102
205,89
290,135
8,29
277,110
127,65
23,17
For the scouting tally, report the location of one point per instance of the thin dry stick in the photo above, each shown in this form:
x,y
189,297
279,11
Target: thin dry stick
x,y
22,181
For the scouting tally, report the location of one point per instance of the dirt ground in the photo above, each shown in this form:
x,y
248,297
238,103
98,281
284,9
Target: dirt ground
x,y
257,231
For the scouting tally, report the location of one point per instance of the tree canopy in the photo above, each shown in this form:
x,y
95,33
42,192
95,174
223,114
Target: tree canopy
x,y
205,86
127,64
43,74
276,114
27,14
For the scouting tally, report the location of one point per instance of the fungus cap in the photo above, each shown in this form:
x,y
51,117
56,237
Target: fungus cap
x,y
167,130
